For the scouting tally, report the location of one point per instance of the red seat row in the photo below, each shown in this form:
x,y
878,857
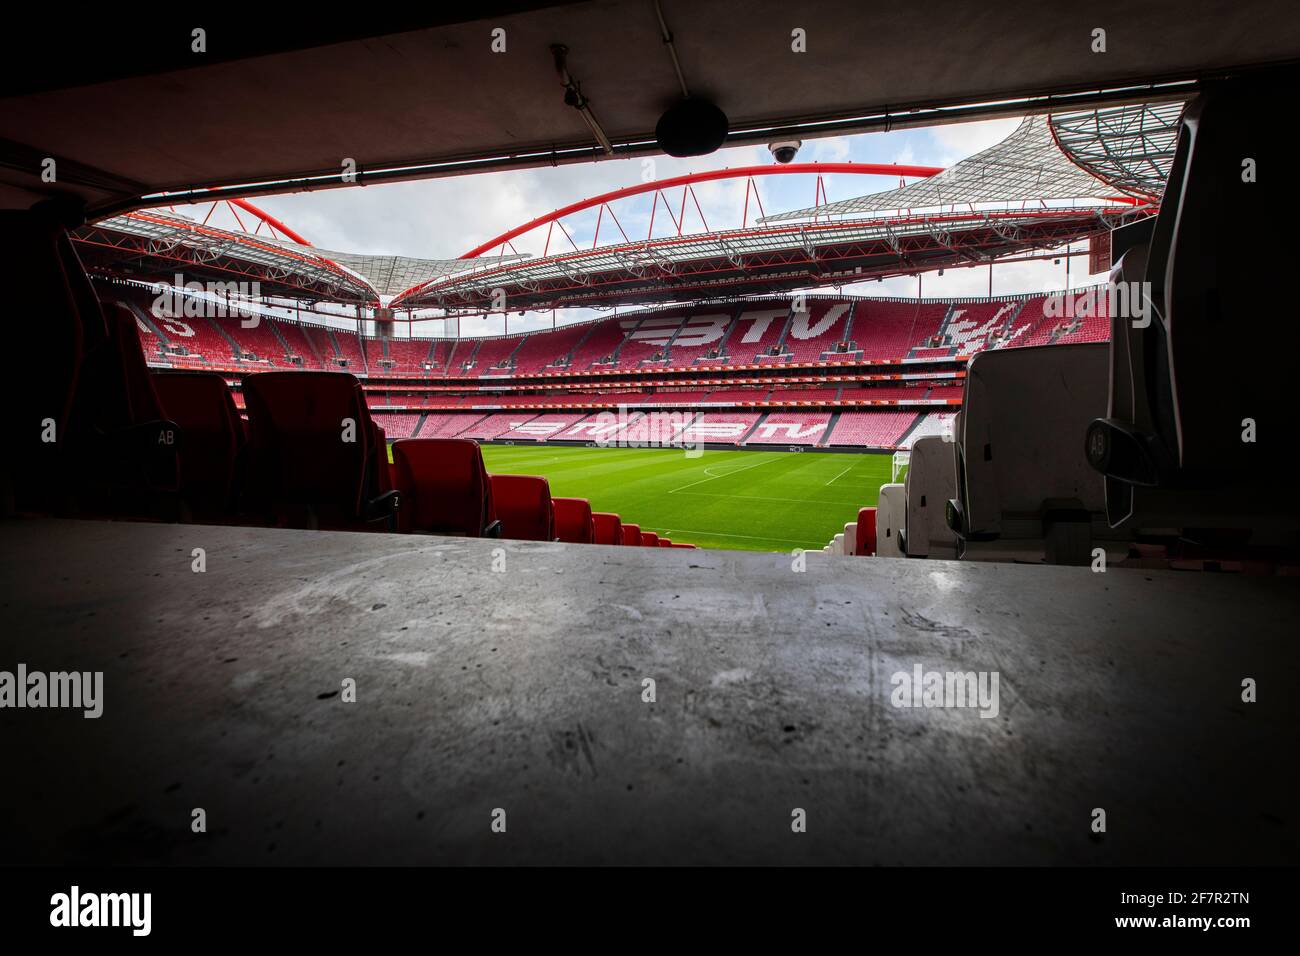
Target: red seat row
x,y
446,489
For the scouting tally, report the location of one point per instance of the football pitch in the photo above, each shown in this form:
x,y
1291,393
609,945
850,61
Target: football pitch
x,y
748,500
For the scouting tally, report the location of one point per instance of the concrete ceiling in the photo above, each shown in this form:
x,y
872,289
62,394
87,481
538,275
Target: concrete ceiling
x,y
439,94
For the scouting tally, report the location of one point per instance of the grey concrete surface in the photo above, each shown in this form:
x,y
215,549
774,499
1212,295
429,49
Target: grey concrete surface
x,y
522,690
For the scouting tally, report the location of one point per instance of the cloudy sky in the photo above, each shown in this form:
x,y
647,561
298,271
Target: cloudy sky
x,y
443,218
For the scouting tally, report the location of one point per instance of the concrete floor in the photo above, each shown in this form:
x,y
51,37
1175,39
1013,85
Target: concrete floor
x,y
522,690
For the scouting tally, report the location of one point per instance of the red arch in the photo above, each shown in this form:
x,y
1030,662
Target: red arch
x,y
864,169
270,220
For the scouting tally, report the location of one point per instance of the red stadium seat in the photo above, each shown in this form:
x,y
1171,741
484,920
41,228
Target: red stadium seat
x,y
608,528
632,535
573,520
676,545
866,543
649,539
523,504
444,487
212,439
665,542
313,454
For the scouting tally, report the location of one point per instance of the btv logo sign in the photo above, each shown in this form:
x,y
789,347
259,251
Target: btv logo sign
x,y
791,430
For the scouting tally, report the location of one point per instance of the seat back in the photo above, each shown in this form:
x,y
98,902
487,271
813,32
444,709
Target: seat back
x,y
632,535
649,539
523,505
312,455
1206,366
930,483
574,521
607,528
890,511
1022,471
202,405
38,408
866,531
444,487
851,538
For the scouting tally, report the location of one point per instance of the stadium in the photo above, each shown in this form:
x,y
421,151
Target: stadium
x,y
659,515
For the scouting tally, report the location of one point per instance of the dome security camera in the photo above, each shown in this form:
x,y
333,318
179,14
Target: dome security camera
x,y
784,151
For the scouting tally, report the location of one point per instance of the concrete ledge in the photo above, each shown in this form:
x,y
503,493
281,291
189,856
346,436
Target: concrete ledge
x,y
522,690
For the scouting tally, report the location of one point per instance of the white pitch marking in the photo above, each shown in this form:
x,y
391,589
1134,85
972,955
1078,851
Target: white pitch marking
x,y
840,475
727,475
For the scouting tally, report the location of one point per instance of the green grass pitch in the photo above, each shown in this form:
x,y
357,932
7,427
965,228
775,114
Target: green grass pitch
x,y
748,500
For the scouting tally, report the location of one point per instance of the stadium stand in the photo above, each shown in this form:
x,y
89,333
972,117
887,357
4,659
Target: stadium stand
x,y
405,357
817,330
889,329
719,427
396,426
876,429
543,427
542,350
791,428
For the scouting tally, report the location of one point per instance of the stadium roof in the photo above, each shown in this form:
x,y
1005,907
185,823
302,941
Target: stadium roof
x,y
766,259
131,112
1020,195
390,275
1129,147
155,244
1026,166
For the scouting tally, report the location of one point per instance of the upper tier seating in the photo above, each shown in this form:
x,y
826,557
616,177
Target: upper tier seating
x,y
405,357
198,336
600,342
888,330
540,350
757,330
817,330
